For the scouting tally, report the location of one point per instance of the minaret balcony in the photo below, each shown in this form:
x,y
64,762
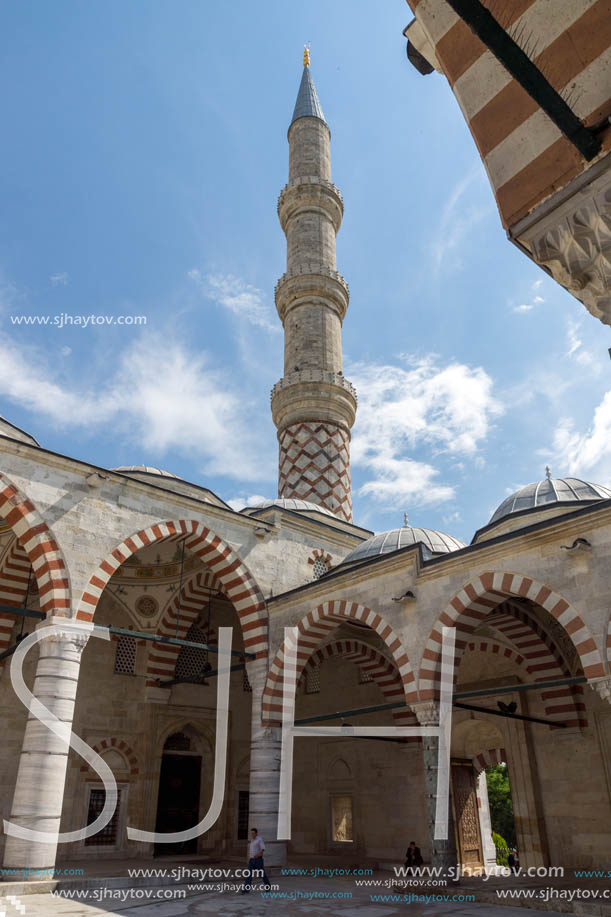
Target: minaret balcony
x,y
310,193
313,394
311,283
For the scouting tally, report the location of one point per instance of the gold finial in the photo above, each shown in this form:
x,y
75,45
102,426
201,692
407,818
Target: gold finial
x,y
548,473
405,521
306,56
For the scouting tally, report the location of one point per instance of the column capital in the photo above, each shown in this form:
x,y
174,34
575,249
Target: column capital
x,y
427,712
603,686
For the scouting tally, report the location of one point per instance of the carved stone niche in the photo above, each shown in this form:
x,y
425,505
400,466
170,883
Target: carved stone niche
x,y
570,235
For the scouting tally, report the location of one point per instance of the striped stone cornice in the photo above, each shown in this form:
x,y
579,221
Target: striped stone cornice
x,y
309,284
310,193
313,394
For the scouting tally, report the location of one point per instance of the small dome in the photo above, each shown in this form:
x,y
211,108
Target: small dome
x,y
434,542
145,469
11,431
550,492
303,506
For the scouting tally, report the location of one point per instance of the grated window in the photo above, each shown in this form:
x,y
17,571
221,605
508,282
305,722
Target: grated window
x,y
320,567
364,677
125,657
312,685
246,685
191,660
107,836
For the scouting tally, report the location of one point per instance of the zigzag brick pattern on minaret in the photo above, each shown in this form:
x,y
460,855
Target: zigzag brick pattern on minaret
x,y
315,466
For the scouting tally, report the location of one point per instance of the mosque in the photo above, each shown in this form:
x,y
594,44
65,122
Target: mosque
x,y
165,566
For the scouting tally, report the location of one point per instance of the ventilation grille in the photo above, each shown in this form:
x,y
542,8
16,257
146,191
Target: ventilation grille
x,y
125,658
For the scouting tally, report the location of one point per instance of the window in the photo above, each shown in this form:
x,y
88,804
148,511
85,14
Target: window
x,y
125,658
320,567
341,819
243,801
312,684
109,835
192,661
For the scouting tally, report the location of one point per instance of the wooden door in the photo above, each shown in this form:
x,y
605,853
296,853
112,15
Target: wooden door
x,y
466,813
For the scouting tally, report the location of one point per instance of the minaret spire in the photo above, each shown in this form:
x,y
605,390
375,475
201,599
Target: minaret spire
x,y
313,405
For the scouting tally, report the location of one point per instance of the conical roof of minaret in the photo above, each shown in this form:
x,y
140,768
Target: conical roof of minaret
x,y
307,104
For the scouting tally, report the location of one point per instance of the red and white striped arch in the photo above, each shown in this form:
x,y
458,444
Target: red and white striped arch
x,y
187,607
236,580
488,759
560,703
14,577
40,546
477,599
117,744
370,660
544,662
315,629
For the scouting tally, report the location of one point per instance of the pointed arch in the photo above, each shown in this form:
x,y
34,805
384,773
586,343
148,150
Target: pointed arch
x,y
162,657
370,660
313,630
15,573
477,599
40,546
237,582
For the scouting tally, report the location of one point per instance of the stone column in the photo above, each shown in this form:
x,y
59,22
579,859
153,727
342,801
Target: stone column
x,y
39,790
264,788
443,852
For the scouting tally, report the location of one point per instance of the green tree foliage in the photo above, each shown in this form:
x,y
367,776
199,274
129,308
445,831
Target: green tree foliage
x,y
502,850
501,808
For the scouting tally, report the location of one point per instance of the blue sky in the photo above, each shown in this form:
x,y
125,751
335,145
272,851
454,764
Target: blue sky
x,y
145,148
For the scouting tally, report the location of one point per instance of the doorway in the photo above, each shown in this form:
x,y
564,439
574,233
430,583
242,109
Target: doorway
x,y
178,797
466,813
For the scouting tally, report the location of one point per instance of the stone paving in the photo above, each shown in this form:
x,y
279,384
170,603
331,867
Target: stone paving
x,y
136,903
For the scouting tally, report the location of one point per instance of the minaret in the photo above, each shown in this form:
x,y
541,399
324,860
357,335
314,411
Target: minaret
x,y
313,406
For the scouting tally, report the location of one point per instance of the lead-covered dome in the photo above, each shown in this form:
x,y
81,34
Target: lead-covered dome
x,y
551,491
303,506
433,542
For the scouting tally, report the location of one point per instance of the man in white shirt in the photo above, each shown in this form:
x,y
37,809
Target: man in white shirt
x,y
255,853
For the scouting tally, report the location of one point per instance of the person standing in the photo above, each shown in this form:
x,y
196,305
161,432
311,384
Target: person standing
x,y
256,847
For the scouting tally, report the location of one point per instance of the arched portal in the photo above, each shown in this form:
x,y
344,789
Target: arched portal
x,y
317,627
38,543
237,582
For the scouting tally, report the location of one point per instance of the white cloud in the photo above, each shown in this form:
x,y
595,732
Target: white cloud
x,y
447,409
587,454
534,299
238,297
458,218
65,351
580,354
59,280
239,503
161,396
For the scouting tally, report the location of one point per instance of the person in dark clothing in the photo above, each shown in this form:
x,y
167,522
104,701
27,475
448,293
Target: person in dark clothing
x,y
413,857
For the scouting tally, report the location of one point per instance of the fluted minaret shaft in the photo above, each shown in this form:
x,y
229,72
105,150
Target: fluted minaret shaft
x,y
313,406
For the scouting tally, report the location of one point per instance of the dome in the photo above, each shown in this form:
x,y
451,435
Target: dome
x,y
434,542
11,431
145,469
551,492
303,506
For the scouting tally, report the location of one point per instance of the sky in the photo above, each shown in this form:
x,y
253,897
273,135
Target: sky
x,y
145,147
